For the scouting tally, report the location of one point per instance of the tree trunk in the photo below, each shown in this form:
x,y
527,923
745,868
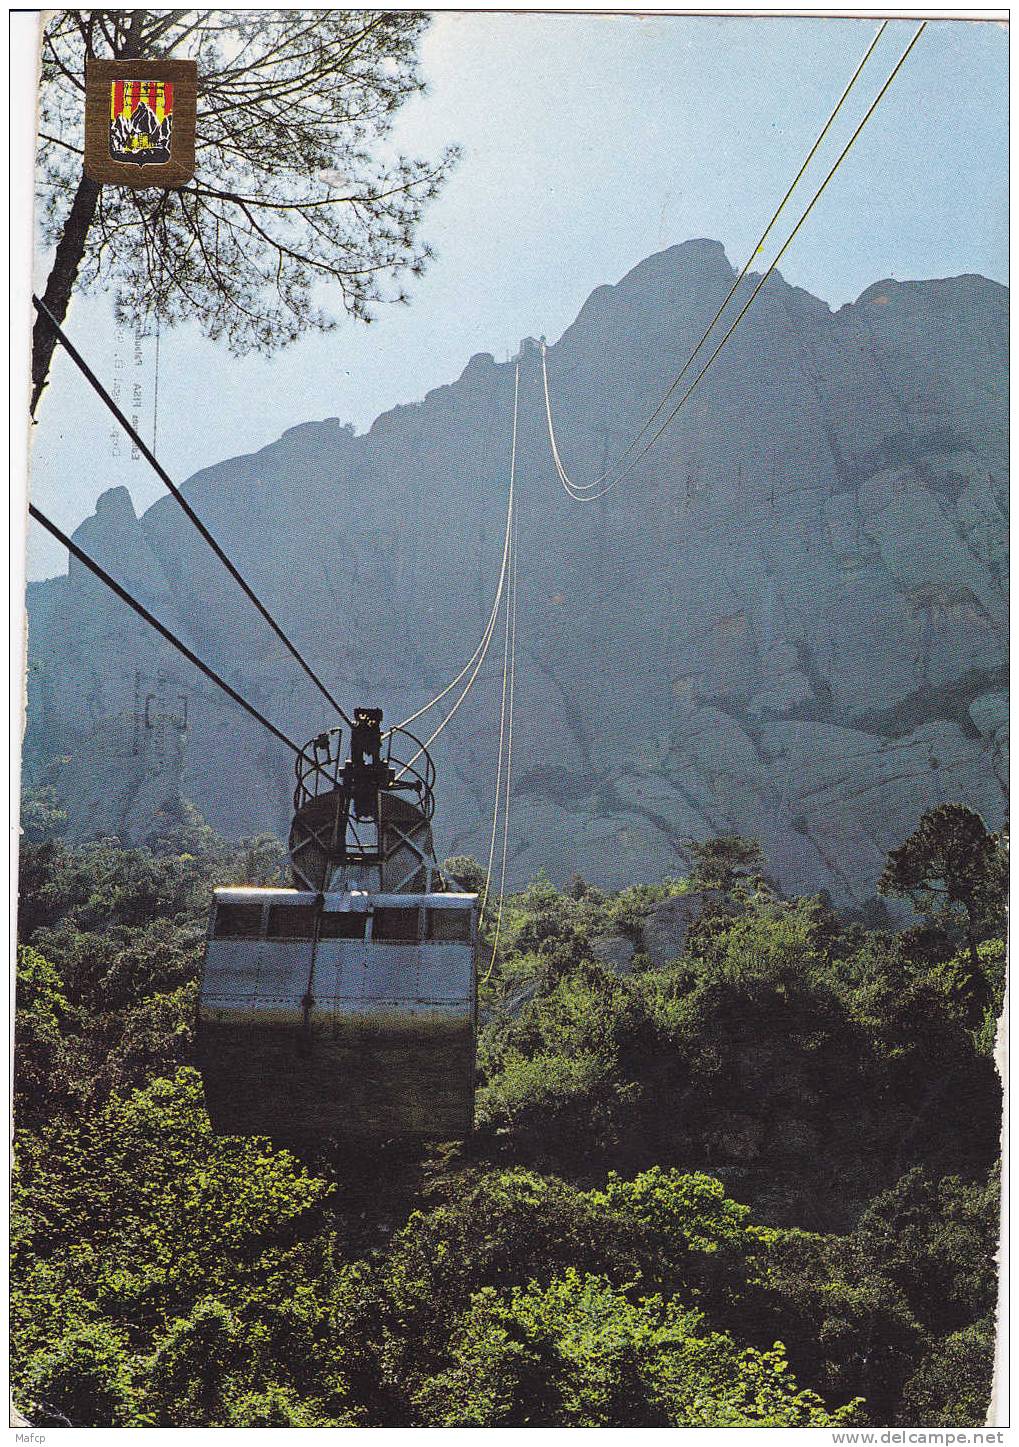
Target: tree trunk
x,y
70,250
129,45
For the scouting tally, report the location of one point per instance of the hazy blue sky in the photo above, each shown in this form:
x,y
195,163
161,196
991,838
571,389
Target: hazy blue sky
x,y
589,142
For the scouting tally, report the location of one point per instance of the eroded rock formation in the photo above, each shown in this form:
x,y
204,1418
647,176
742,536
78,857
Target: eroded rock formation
x,y
790,622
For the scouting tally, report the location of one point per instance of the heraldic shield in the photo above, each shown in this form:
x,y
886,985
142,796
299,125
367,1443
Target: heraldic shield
x,y
140,121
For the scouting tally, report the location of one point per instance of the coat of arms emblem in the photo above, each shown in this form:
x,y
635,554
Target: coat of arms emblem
x,y
140,121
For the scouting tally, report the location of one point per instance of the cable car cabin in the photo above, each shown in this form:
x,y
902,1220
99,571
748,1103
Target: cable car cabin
x,y
346,1006
339,1014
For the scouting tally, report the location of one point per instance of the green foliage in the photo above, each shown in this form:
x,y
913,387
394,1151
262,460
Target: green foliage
x,y
42,817
466,871
177,828
141,1209
952,868
557,1096
919,1264
84,1381
41,1011
622,1241
275,1406
262,860
626,912
953,1381
578,1353
835,1307
190,1376
684,1234
936,1240
40,1001
668,1231
779,1036
975,993
729,863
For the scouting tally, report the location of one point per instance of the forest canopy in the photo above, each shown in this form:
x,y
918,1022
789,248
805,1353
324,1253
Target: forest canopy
x,y
754,1184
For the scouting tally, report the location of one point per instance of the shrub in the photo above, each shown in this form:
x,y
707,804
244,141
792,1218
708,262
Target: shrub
x,y
190,1376
952,1385
275,1406
85,1378
578,1353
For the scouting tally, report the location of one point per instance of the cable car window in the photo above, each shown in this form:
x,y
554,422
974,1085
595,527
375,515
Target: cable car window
x,y
395,924
238,922
449,925
342,924
291,922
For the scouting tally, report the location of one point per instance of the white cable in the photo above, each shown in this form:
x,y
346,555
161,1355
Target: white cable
x,y
509,755
583,491
481,652
498,776
753,295
490,625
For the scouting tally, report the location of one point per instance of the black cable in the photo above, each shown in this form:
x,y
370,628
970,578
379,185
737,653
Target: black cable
x,y
154,463
160,628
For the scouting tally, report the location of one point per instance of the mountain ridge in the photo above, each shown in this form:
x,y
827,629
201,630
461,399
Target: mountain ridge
x,y
817,543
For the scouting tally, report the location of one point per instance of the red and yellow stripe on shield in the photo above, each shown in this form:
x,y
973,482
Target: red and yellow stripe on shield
x,y
125,96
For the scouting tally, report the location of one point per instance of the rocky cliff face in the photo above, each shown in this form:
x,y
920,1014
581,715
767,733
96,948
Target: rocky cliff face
x,y
790,623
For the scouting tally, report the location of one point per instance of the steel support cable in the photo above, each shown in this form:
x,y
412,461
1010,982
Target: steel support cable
x,y
593,497
509,757
567,482
161,628
498,776
483,645
179,497
482,650
490,625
